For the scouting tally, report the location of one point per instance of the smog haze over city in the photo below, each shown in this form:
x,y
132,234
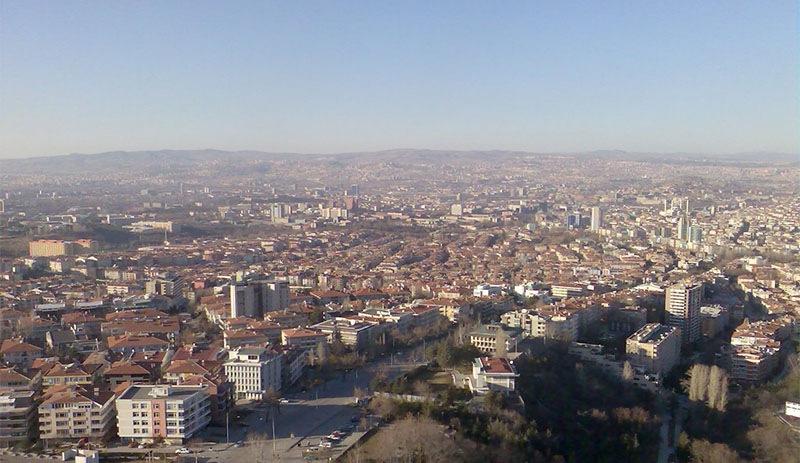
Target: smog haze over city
x,y
399,231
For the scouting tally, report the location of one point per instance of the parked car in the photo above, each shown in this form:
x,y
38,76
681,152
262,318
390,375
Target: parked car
x,y
183,451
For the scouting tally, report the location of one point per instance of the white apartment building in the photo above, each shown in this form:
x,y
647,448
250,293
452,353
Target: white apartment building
x,y
655,348
253,371
174,413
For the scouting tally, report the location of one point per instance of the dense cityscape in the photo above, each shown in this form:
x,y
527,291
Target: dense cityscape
x,y
400,305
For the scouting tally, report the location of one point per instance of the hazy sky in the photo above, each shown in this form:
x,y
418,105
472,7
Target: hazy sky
x,y
334,76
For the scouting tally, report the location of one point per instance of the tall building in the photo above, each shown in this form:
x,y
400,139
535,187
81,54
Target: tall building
x,y
257,295
683,226
695,234
683,309
597,219
654,347
172,413
574,221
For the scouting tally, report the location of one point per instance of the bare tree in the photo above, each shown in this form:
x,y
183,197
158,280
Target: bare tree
x,y
698,382
717,389
416,439
500,341
627,371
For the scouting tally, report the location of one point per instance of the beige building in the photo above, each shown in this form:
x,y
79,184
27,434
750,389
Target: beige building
x,y
75,412
49,248
654,347
173,413
485,338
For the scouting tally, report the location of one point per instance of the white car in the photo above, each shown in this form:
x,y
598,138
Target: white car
x,y
183,451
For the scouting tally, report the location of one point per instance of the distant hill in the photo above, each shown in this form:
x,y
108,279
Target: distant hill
x,y
145,161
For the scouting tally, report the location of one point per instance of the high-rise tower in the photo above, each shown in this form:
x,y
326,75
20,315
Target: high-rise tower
x,y
597,219
683,309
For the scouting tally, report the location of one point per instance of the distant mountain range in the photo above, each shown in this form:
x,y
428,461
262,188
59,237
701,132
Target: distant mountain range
x,y
140,161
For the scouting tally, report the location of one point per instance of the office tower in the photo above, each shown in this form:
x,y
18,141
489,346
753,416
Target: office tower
x,y
456,209
686,205
666,206
257,295
574,221
2,206
353,190
695,234
597,219
276,211
683,309
682,226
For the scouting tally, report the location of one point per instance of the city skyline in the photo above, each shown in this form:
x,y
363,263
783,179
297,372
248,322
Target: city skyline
x,y
324,78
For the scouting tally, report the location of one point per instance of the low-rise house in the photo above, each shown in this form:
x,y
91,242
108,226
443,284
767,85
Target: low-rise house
x,y
493,374
327,297
129,343
239,338
127,371
66,374
16,352
82,324
12,380
304,338
179,370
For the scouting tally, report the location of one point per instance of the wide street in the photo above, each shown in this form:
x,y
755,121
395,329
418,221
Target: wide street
x,y
298,424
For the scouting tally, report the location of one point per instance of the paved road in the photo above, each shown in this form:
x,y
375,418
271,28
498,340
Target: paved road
x,y
316,414
298,425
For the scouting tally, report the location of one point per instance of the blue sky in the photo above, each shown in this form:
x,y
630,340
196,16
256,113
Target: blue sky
x,y
339,76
